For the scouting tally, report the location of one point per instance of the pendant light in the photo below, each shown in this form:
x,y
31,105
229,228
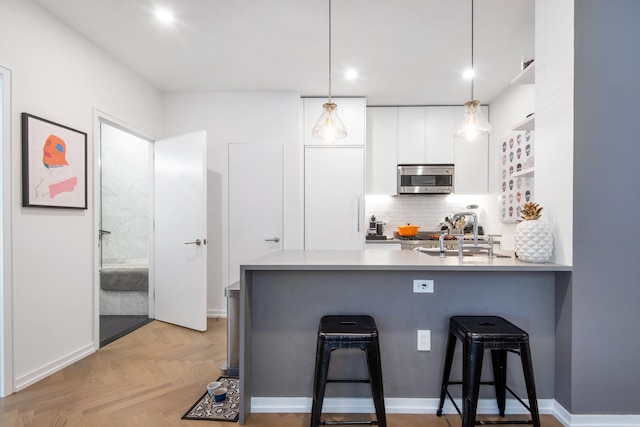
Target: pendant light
x,y
474,122
329,127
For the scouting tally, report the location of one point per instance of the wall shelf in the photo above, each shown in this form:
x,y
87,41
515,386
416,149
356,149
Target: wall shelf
x,y
523,172
526,76
527,124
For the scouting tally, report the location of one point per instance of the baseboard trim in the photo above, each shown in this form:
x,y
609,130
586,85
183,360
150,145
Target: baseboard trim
x,y
569,420
392,405
216,313
53,367
430,406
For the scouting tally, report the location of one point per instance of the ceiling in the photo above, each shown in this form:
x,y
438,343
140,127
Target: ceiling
x,y
407,52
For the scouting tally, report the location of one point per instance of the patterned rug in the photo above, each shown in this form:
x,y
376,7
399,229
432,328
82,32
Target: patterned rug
x,y
208,409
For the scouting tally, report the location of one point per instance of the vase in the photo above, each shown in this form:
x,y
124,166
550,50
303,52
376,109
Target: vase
x,y
533,241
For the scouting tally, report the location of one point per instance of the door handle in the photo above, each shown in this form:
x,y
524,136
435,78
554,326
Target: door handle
x,y
275,239
197,242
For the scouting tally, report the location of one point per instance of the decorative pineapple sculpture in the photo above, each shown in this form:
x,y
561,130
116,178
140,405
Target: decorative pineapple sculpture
x,y
533,238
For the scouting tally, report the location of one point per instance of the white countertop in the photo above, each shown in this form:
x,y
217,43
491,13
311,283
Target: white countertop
x,y
389,260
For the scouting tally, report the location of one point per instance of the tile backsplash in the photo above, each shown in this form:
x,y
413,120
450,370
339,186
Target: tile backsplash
x,y
424,211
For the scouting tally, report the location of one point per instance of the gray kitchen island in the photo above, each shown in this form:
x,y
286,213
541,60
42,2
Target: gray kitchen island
x,y
284,295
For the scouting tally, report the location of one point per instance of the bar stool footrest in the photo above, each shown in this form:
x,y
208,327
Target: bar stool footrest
x,y
342,423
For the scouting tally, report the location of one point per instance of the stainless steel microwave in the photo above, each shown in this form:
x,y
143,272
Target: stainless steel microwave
x,y
425,179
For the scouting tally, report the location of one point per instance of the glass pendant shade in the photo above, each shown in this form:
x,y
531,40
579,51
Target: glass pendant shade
x,y
329,127
475,123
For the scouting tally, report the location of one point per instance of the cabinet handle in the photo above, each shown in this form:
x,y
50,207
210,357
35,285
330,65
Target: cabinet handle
x,y
275,239
358,229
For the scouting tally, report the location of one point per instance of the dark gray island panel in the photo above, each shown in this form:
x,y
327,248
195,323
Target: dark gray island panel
x,y
281,308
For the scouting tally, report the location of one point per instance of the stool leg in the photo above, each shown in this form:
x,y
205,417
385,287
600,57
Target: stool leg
x,y
448,360
323,355
499,361
472,367
527,368
375,375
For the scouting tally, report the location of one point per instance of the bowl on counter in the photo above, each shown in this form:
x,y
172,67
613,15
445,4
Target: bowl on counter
x,y
408,230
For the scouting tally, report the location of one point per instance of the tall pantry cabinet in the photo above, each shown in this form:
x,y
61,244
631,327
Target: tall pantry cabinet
x,y
334,178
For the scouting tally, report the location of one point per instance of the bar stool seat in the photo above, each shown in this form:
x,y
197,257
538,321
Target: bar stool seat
x,y
480,333
347,332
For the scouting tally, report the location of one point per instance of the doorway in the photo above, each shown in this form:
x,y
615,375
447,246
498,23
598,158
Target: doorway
x,y
124,231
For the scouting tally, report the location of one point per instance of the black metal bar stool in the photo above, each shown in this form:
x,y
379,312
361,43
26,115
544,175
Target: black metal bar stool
x,y
347,332
480,333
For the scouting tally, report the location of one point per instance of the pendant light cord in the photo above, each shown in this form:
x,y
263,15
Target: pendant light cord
x,y
473,71
329,51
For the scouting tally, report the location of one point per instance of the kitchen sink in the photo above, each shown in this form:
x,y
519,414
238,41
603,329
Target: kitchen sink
x,y
454,253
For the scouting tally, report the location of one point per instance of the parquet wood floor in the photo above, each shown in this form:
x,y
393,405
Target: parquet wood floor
x,y
150,378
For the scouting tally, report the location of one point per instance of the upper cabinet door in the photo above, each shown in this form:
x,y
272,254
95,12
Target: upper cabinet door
x,y
425,135
352,112
438,130
382,163
471,160
411,141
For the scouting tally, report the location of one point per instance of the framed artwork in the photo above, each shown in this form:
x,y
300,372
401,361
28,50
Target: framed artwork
x,y
54,164
516,185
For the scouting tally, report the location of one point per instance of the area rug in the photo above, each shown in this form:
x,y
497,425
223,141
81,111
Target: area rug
x,y
207,409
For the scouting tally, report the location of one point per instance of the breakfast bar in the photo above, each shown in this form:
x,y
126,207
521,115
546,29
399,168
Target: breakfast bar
x,y
283,296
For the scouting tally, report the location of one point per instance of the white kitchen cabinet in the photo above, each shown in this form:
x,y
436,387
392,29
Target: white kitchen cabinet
x,y
425,135
382,142
352,112
334,197
471,160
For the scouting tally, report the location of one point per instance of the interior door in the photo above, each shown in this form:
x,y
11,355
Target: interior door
x,y
255,203
180,230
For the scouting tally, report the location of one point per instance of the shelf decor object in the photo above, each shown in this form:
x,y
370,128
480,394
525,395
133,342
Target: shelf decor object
x,y
533,238
329,127
475,123
54,164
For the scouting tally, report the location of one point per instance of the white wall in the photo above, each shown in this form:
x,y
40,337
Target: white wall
x,y
270,117
511,107
59,76
554,121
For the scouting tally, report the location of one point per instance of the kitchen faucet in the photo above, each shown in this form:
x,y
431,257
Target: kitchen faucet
x,y
475,224
461,237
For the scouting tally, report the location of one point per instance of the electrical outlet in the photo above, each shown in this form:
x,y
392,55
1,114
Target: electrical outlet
x,y
423,286
424,340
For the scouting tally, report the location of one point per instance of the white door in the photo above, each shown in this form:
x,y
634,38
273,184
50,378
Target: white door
x,y
255,203
180,211
333,201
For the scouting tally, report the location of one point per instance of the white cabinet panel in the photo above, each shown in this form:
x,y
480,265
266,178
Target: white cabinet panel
x,y
471,160
411,135
425,135
439,126
352,112
382,142
334,198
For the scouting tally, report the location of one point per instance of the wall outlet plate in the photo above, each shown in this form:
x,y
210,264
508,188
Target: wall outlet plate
x,y
423,286
424,340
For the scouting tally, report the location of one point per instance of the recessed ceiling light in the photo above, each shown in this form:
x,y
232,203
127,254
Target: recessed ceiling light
x,y
468,74
164,15
351,74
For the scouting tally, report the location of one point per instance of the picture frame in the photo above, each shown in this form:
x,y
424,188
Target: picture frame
x,y
54,164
